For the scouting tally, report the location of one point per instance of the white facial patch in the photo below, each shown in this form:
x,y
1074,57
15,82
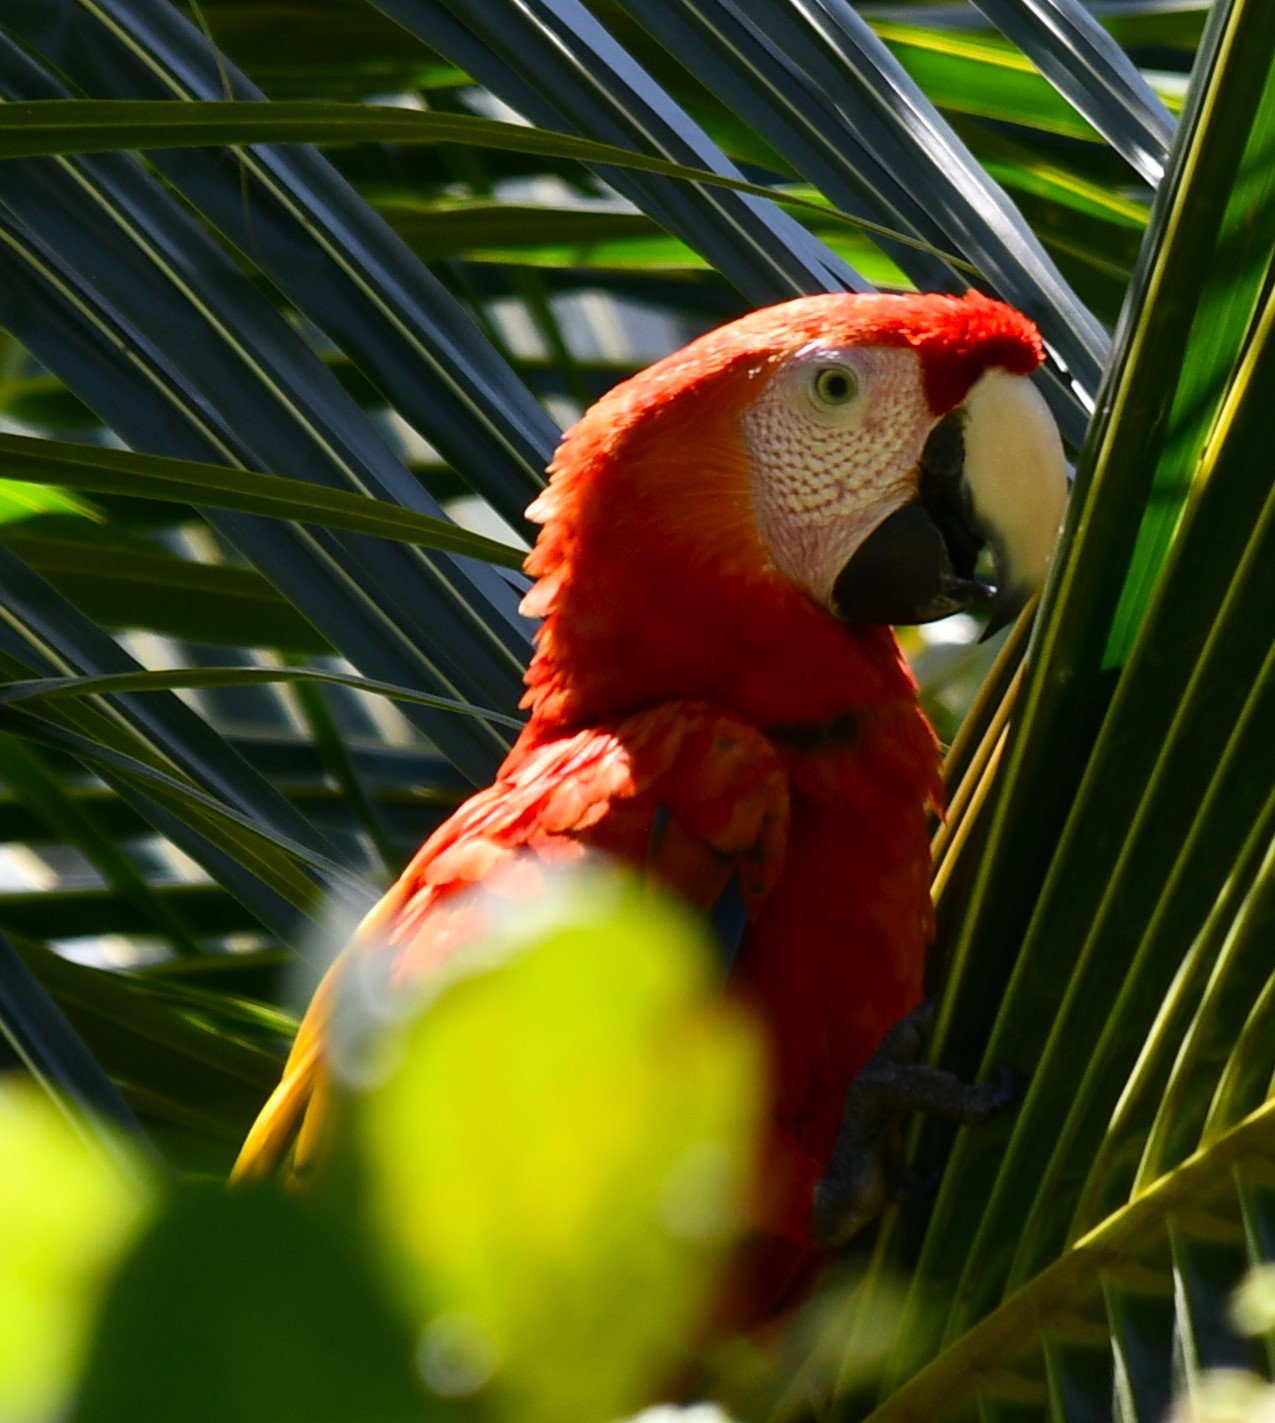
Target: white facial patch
x,y
835,439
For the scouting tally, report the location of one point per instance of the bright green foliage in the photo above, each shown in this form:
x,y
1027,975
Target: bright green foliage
x,y
69,1212
550,1171
20,501
563,1155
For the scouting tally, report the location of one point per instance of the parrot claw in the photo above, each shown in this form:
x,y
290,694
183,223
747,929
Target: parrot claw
x,y
866,1171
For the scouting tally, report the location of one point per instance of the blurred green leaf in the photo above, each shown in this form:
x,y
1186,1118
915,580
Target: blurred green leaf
x,y
1254,1303
20,501
69,1214
244,1307
560,1160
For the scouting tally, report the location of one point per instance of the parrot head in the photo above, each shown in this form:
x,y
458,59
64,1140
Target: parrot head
x,y
887,454
857,452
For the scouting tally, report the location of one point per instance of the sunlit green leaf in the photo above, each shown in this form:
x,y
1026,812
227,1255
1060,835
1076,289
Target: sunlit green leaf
x,y
20,501
983,77
560,1160
69,1213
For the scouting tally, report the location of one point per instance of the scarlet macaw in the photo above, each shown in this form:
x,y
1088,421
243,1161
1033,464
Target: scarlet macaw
x,y
717,698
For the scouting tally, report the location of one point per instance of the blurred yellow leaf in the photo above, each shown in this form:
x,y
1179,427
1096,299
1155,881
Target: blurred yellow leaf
x,y
1253,1307
561,1159
67,1212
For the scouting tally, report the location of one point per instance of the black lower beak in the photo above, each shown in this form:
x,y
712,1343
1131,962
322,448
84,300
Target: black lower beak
x,y
918,565
903,573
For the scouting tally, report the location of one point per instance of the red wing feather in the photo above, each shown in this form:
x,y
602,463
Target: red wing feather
x,y
686,792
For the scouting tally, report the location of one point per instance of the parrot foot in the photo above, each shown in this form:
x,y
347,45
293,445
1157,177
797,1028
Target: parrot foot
x,y
866,1171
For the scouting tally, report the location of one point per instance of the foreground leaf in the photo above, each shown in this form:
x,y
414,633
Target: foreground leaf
x,y
558,1164
69,1212
244,1307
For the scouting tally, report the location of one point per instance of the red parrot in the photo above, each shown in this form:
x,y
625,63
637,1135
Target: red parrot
x,y
717,698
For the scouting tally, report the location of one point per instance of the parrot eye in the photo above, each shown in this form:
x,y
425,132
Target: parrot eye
x,y
835,385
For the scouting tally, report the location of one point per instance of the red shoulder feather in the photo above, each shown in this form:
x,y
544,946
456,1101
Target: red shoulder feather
x,y
686,792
